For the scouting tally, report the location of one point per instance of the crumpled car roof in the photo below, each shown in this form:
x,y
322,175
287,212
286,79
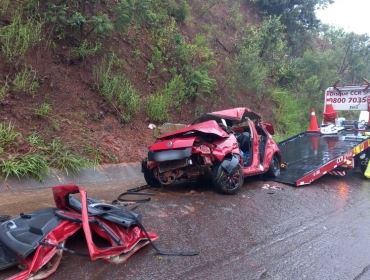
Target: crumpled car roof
x,y
234,115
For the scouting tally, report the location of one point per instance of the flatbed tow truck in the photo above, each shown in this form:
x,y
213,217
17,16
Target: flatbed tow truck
x,y
311,155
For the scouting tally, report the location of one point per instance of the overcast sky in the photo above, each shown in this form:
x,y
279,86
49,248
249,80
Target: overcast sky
x,y
351,15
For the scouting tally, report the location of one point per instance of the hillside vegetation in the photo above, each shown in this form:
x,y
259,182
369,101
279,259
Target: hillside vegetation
x,y
81,80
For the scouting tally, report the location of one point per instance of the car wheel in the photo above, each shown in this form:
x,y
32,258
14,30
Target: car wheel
x,y
227,183
274,170
149,175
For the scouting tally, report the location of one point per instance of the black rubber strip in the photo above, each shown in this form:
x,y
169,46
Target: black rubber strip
x,y
4,218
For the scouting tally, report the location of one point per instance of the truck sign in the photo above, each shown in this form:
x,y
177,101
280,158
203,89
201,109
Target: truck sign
x,y
348,98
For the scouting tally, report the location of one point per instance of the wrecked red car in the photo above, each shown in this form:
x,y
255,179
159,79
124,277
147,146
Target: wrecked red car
x,y
226,146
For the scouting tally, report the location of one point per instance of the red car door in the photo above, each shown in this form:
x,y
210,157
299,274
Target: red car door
x,y
254,167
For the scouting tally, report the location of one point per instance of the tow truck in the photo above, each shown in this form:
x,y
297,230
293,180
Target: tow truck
x,y
334,147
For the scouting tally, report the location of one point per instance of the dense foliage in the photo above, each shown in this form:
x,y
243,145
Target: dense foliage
x,y
297,15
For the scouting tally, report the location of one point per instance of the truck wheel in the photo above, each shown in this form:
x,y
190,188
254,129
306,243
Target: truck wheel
x,y
274,170
149,176
227,183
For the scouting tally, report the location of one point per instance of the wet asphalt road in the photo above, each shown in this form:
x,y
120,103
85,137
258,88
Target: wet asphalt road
x,y
267,231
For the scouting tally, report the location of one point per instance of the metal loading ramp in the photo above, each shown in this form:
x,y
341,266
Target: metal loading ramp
x,y
311,155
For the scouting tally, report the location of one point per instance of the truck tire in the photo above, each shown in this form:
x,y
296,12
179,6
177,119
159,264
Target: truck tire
x,y
227,183
148,175
274,170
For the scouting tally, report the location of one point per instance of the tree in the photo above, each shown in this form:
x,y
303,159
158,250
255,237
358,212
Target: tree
x,y
352,53
77,18
261,55
297,15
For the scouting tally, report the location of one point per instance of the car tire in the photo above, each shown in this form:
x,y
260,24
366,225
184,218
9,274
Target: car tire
x,y
227,183
274,170
148,175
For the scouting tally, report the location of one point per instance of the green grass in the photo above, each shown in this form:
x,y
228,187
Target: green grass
x,y
109,86
4,88
18,37
279,137
157,107
117,90
176,90
36,141
86,49
61,158
8,135
288,114
26,81
33,165
94,153
4,5
172,95
43,110
41,157
128,99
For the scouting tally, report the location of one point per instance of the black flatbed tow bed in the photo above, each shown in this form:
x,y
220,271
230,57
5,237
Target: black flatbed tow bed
x,y
310,156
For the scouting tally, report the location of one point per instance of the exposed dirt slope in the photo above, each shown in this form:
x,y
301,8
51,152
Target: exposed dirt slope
x,y
85,122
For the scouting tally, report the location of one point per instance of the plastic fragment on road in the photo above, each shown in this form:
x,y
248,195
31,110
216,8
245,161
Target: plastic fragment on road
x,y
269,187
152,126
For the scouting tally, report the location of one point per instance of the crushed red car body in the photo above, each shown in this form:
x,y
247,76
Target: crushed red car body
x,y
36,241
228,145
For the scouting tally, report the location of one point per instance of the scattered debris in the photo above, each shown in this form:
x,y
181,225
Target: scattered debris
x,y
227,209
269,187
190,208
152,126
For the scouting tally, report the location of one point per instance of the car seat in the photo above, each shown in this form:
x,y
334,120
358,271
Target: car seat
x,y
244,140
